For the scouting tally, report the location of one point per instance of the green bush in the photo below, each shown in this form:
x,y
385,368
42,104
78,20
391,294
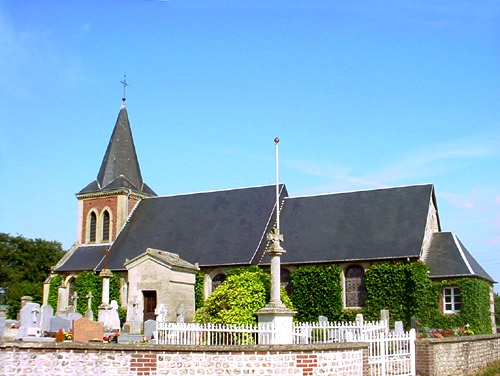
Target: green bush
x,y
245,291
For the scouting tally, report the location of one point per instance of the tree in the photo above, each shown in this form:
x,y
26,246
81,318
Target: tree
x,y
24,265
245,291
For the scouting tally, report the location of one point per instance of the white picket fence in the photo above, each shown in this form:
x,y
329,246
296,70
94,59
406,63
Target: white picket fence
x,y
390,353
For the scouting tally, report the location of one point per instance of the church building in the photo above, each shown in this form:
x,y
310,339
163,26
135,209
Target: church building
x,y
157,244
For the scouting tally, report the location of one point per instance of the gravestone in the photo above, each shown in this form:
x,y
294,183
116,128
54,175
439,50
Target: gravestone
x,y
73,301
114,319
360,319
133,323
104,316
180,314
74,316
89,314
85,330
413,322
59,322
398,327
30,321
47,314
161,313
149,328
3,321
384,316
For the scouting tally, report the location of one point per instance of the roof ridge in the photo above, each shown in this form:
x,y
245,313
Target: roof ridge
x,y
361,190
216,191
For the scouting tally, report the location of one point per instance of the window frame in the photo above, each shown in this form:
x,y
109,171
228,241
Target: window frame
x,y
362,285
92,223
451,293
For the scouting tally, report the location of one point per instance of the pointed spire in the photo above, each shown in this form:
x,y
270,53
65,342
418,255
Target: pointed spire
x,y
121,158
120,165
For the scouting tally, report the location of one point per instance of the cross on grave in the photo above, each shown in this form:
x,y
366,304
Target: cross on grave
x,y
161,313
89,300
34,314
74,300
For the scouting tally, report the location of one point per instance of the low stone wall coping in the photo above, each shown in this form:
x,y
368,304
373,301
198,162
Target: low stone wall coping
x,y
183,348
473,338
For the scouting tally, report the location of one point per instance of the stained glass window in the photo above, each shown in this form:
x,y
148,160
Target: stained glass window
x,y
355,293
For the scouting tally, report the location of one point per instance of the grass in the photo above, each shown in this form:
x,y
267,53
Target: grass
x,y
491,370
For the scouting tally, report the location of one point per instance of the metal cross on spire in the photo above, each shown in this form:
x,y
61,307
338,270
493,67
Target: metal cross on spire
x,y
124,83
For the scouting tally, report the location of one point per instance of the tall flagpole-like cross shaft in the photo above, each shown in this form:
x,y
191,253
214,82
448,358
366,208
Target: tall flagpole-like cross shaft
x,y
275,251
276,142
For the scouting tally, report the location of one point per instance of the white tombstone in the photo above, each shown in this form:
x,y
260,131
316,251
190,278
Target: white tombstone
x,y
47,313
398,327
30,321
161,313
114,319
133,323
180,314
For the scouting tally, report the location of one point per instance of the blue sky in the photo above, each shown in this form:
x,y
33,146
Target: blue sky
x,y
363,94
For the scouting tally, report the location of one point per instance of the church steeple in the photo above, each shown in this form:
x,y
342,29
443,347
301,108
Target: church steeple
x,y
106,202
120,165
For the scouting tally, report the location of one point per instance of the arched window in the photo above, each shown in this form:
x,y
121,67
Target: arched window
x,y
93,227
218,280
105,226
355,293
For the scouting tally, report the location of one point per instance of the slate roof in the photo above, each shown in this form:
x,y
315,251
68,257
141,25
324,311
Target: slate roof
x,y
384,223
211,228
448,258
120,165
83,257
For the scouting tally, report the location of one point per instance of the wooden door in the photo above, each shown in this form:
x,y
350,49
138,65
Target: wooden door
x,y
149,305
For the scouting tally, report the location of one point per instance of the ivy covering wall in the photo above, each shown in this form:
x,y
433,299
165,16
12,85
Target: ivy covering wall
x,y
404,289
317,291
198,290
475,312
84,283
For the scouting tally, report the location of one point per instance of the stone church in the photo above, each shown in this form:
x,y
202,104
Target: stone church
x,y
157,244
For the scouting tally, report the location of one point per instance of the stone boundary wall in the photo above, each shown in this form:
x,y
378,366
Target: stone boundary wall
x,y
456,355
68,358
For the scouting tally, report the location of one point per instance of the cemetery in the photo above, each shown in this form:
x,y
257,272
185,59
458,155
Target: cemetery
x,y
142,319
42,342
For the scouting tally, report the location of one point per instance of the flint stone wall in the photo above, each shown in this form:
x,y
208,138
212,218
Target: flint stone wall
x,y
456,355
147,359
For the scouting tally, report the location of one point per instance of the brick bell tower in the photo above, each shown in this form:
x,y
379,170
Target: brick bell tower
x,y
104,204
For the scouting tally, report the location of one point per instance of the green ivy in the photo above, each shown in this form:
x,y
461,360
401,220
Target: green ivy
x,y
475,312
54,290
198,290
317,291
402,288
84,283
